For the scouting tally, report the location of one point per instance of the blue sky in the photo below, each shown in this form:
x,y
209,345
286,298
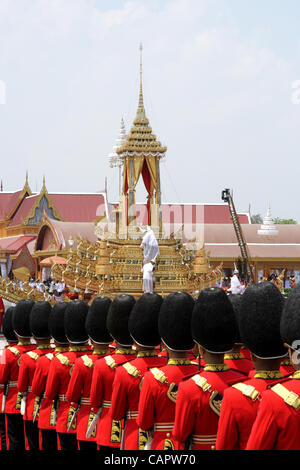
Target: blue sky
x,y
218,78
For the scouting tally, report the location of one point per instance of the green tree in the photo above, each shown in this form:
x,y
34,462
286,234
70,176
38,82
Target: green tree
x,y
278,221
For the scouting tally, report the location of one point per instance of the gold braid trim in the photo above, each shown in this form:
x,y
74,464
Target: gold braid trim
x,y
268,374
179,362
216,367
233,356
296,375
142,354
77,348
125,351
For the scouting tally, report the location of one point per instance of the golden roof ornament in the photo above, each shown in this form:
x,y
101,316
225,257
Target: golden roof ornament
x,y
141,140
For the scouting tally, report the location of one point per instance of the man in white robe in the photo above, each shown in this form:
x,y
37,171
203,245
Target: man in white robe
x,y
235,285
149,245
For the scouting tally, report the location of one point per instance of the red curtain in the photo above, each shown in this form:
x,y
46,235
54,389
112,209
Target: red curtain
x,y
147,182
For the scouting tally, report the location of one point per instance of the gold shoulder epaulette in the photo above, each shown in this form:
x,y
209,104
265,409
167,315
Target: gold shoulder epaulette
x,y
201,382
87,361
247,390
289,397
110,362
159,375
33,355
131,370
63,359
14,350
50,356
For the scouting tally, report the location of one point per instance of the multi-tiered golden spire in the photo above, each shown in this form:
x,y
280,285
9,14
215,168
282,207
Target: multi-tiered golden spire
x,y
140,140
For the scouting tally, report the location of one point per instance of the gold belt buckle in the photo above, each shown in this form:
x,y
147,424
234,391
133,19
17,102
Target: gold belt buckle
x,y
291,399
251,392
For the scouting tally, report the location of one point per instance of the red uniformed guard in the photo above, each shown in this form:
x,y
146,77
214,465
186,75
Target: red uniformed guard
x,y
156,412
38,321
199,398
109,431
143,327
277,425
43,407
61,368
80,384
12,340
9,372
235,359
259,323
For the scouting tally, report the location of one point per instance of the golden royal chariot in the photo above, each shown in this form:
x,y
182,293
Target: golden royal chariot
x,y
113,264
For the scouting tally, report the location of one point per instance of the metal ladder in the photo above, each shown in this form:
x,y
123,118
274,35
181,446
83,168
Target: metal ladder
x,y
227,197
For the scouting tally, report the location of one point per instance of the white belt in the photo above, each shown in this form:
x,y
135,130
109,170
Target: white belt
x,y
132,414
162,427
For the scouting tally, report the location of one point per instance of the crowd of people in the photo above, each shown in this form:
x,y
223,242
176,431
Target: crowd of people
x,y
219,372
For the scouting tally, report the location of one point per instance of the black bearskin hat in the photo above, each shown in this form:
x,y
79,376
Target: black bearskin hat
x,y
39,320
213,321
174,322
7,326
21,316
260,314
143,320
96,321
117,319
290,320
236,300
75,317
57,322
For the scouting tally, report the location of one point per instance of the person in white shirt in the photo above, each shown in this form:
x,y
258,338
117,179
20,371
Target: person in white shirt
x,y
147,271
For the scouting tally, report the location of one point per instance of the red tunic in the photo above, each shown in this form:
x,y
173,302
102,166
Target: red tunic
x,y
79,391
238,362
126,395
58,381
39,385
238,411
197,410
9,371
108,431
277,425
26,373
157,402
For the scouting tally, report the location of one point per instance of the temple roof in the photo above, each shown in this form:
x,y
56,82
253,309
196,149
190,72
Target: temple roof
x,y
70,207
141,140
14,244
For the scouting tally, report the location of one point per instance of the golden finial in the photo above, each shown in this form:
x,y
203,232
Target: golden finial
x,y
141,98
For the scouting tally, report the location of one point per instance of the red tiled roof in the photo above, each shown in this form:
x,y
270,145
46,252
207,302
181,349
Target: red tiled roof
x,y
15,243
8,201
79,207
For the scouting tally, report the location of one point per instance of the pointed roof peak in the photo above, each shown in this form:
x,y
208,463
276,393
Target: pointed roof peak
x,y
140,139
141,96
26,185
